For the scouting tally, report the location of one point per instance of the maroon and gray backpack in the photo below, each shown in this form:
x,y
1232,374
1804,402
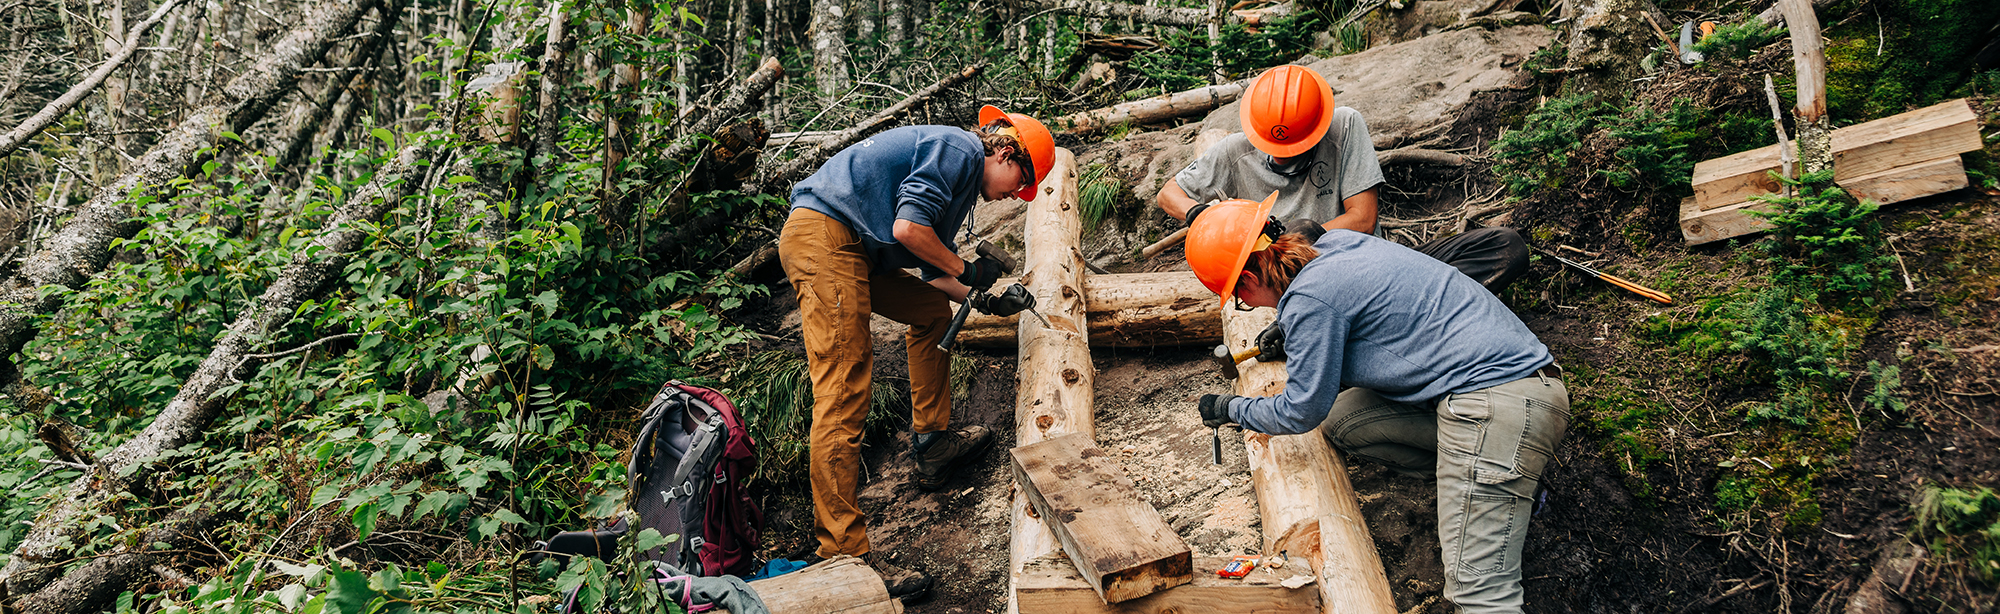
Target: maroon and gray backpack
x,y
687,477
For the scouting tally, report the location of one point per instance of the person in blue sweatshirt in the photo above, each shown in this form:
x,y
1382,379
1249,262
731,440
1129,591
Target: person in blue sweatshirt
x,y
1399,359
892,202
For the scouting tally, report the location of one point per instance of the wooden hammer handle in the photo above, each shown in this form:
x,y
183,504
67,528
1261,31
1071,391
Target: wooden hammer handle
x,y
1636,288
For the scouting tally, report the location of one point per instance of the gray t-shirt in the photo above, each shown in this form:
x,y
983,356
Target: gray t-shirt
x,y
1342,165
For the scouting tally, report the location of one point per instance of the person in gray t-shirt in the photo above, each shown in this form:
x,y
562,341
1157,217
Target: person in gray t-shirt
x,y
1320,160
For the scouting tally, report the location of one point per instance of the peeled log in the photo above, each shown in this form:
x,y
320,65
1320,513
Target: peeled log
x,y
1303,493
1126,310
839,584
1055,393
1155,109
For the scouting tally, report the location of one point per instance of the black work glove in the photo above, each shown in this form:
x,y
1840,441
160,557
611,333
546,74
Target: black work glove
x,y
1015,299
1271,344
980,274
1215,409
1305,226
1194,211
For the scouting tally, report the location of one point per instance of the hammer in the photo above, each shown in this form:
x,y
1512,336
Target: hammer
x,y
1227,361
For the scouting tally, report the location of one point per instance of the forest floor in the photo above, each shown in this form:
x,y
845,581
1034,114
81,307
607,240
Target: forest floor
x,y
1621,535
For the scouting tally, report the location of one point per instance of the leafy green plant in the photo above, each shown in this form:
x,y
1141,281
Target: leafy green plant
x,y
1738,40
1098,195
1962,524
1882,396
1826,243
1183,60
1534,157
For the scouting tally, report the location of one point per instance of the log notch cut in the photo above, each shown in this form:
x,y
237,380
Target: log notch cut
x,y
1303,493
1052,584
1055,395
1119,543
841,584
1126,310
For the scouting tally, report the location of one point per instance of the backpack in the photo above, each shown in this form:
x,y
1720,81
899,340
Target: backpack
x,y
687,477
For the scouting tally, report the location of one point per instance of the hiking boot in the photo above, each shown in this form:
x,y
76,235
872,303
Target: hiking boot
x,y
906,585
939,452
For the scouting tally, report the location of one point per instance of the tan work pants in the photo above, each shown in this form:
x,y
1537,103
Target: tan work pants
x,y
830,272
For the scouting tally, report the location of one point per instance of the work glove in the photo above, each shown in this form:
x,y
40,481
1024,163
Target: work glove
x,y
980,274
1271,344
1305,226
1196,210
1215,409
1015,299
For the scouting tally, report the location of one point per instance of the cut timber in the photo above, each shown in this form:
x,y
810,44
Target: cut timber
x,y
1052,584
1120,544
1126,310
1734,178
1054,394
1303,494
840,584
1153,110
1861,150
1917,180
1929,133
1698,227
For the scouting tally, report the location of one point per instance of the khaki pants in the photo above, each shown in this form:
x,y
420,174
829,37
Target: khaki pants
x,y
830,272
1487,449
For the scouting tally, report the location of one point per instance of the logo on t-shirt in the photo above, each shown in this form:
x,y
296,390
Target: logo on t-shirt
x,y
1321,173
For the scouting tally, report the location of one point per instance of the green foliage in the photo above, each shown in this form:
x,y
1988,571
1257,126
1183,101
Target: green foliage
x,y
1963,525
1911,53
1182,61
1098,194
1738,40
1882,396
1827,244
1533,158
1655,145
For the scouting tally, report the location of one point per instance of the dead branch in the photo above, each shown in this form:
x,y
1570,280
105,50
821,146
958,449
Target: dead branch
x,y
56,108
1153,110
1156,15
94,587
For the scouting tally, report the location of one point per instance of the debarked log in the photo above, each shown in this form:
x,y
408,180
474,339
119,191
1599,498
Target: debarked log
x,y
1125,310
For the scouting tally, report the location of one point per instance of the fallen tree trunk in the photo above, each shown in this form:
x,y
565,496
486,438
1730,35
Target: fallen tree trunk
x,y
740,99
83,246
303,133
1304,498
1055,393
95,587
1126,310
1155,109
56,108
187,417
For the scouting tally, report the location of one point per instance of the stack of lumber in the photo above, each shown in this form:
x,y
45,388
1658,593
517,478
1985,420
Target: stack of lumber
x,y
1888,160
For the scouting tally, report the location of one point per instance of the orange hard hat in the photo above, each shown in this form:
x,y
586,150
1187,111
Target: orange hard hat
x,y
1286,110
1221,240
1033,136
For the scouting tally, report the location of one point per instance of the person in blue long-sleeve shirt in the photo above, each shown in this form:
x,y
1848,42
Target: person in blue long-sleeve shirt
x,y
1399,359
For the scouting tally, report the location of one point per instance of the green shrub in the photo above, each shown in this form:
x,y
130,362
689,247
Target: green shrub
x,y
1738,40
1963,524
1098,194
1535,157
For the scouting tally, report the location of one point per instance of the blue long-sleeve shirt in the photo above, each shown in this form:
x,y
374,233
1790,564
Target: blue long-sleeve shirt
x,y
929,175
1372,314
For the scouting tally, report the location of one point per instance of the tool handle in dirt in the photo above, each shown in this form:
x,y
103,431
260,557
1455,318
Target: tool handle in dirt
x,y
1637,289
958,320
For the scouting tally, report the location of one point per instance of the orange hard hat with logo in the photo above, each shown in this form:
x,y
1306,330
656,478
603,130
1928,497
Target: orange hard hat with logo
x,y
1223,237
1286,110
1034,138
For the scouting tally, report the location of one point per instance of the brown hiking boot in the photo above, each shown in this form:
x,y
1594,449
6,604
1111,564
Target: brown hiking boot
x,y
946,450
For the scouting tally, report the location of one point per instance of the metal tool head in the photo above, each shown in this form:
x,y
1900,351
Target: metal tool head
x,y
1688,54
989,250
1226,361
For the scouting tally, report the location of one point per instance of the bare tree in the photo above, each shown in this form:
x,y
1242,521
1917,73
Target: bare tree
x,y
56,108
829,43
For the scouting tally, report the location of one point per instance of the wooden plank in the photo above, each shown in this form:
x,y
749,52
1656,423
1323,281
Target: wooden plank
x,y
840,584
1861,150
1053,395
1909,182
1944,129
1304,497
1051,584
1734,178
1119,543
1698,227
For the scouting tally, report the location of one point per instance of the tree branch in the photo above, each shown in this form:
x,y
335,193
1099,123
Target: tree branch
x,y
56,108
